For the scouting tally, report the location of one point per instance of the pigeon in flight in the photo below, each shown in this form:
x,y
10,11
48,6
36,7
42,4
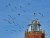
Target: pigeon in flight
x,y
6,30
18,14
29,4
42,15
15,7
10,16
9,4
7,21
20,6
24,11
13,30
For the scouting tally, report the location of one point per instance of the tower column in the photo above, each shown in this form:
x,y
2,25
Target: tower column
x,y
34,30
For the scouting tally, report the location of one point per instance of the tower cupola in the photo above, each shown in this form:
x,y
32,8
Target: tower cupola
x,y
34,26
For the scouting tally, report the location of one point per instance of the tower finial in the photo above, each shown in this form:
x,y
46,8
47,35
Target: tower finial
x,y
35,16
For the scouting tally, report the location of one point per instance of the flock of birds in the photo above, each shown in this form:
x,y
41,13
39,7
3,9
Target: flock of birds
x,y
10,20
15,7
13,22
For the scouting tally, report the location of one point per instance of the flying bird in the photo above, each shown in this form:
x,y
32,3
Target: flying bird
x,y
20,6
24,11
13,30
20,30
42,15
9,4
6,30
22,26
13,22
19,14
29,4
10,16
34,13
7,21
15,7
12,19
6,5
16,24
